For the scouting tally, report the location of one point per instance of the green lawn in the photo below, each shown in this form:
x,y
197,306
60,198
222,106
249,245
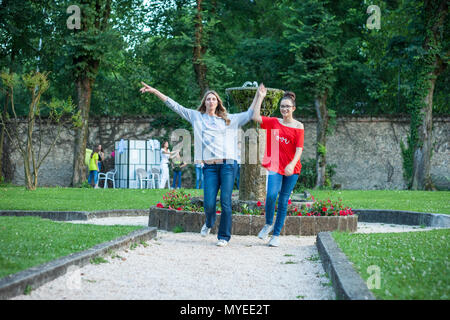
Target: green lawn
x,y
79,199
420,201
30,241
412,265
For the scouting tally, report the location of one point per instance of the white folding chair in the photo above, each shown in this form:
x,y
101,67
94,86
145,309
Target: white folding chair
x,y
143,176
155,174
110,175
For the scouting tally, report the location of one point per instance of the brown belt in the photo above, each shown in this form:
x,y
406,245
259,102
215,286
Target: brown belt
x,y
216,161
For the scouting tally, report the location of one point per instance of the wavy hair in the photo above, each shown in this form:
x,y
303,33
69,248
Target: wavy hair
x,y
221,112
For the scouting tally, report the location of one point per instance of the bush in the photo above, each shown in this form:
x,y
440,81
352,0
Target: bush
x,y
308,175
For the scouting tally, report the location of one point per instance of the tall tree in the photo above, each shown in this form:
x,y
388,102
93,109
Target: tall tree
x,y
90,43
28,137
313,35
435,54
200,48
19,36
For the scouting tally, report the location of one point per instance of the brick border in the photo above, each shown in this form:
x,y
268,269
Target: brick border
x,y
167,219
15,284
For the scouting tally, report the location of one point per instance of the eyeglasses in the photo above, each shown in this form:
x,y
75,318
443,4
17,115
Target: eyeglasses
x,y
285,106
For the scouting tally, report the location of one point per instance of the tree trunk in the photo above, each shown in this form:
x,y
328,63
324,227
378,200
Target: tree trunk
x,y
84,92
322,126
199,51
85,79
5,111
2,135
421,179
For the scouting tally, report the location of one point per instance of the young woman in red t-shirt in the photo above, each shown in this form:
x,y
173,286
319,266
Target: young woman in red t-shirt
x,y
284,146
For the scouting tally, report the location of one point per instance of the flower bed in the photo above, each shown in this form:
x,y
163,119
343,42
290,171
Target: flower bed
x,y
178,209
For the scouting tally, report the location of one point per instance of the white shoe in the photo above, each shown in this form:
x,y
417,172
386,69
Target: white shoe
x,y
222,243
264,233
274,242
205,231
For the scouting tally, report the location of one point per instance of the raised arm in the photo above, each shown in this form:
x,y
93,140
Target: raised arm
x,y
156,92
257,101
186,113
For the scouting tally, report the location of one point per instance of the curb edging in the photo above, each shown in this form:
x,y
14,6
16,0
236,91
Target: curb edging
x,y
74,215
346,282
413,218
15,284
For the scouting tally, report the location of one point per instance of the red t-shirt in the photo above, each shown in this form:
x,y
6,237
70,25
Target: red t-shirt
x,y
286,140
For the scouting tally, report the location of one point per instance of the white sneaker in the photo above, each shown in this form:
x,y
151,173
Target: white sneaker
x,y
205,231
264,233
274,242
222,243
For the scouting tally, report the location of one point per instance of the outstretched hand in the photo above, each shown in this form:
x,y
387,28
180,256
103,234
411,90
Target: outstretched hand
x,y
147,88
262,90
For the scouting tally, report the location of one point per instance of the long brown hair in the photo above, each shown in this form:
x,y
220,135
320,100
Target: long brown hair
x,y
221,112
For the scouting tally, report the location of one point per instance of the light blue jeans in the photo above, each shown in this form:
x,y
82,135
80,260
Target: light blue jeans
x,y
282,185
198,177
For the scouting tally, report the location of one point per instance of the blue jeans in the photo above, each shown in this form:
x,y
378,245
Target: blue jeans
x,y
93,175
283,185
176,174
215,177
237,175
199,177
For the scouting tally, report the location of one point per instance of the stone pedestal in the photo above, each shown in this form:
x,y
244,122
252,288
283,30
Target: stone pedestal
x,y
252,184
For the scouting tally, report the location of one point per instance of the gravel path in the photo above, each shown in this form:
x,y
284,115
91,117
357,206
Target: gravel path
x,y
186,266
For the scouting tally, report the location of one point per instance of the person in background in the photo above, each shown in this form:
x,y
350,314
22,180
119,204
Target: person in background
x,y
166,154
237,173
177,165
93,169
199,175
101,157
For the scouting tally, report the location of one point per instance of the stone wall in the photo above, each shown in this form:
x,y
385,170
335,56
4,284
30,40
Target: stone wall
x,y
366,151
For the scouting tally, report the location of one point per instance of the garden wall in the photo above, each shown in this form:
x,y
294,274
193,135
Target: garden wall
x,y
366,151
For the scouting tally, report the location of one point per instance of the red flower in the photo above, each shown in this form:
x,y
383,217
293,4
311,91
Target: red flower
x,y
312,198
258,203
218,211
308,205
299,214
179,209
289,201
324,209
160,205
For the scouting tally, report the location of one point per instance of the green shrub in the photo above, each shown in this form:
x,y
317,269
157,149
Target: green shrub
x,y
308,175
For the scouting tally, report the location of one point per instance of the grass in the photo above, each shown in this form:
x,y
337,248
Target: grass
x,y
413,265
410,265
30,241
419,201
80,199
